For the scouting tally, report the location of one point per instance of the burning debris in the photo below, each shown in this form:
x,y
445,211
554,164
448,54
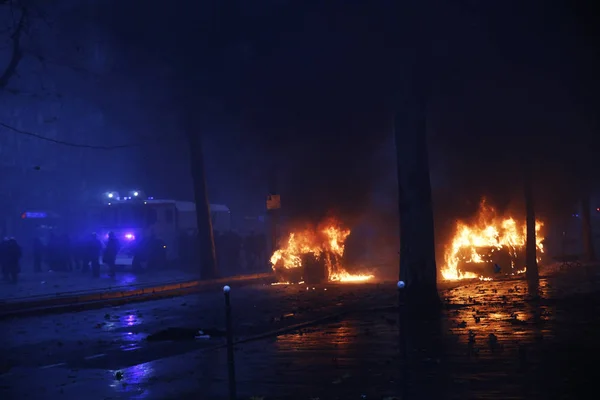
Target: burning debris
x,y
315,256
492,240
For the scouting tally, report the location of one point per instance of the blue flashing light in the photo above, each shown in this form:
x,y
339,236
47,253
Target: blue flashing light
x,y
38,215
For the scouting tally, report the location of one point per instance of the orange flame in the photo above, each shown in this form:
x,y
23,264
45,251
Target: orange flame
x,y
329,238
490,233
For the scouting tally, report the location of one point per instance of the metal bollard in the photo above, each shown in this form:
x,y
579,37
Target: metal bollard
x,y
230,359
402,318
402,334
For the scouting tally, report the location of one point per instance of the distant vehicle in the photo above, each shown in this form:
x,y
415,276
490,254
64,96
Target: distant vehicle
x,y
489,258
132,220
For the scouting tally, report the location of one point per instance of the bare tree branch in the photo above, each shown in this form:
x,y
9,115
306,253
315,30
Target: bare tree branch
x,y
144,141
16,54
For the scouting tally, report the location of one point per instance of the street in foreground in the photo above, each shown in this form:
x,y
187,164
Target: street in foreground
x,y
491,343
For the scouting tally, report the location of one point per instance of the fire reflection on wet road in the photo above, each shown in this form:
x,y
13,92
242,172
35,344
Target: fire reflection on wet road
x,y
349,358
498,308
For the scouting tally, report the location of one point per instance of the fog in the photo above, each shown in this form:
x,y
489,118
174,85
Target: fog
x,y
286,104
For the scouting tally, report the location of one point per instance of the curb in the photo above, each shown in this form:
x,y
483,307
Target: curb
x,y
87,301
86,292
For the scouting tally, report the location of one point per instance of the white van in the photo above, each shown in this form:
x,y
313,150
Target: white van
x,y
168,220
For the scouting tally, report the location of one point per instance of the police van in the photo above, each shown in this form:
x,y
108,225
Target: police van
x,y
132,219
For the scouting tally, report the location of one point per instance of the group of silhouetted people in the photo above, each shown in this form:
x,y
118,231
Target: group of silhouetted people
x,y
62,254
239,253
150,251
234,252
10,257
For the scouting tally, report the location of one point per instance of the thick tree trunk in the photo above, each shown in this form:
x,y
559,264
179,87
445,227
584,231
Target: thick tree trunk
x,y
421,339
586,226
417,243
532,273
206,241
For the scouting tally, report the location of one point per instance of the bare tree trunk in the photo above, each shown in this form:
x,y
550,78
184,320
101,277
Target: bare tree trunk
x,y
206,240
417,239
586,226
532,273
417,242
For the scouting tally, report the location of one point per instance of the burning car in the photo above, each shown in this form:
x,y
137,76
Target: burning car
x,y
314,255
491,239
485,259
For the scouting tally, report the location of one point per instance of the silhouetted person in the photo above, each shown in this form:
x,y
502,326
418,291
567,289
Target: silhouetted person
x,y
186,249
140,254
220,250
261,249
233,247
66,252
38,251
93,248
3,263
497,269
251,251
79,248
11,255
110,254
53,253
157,253
150,250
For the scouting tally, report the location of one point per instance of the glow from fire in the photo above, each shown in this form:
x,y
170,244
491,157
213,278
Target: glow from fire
x,y
490,233
327,241
285,283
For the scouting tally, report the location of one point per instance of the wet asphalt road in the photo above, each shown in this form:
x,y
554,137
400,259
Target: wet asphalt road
x,y
492,343
115,338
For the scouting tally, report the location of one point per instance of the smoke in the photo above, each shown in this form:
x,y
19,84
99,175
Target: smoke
x,y
374,240
332,170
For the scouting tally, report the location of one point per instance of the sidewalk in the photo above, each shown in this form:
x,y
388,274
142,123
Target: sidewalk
x,y
62,283
68,291
491,343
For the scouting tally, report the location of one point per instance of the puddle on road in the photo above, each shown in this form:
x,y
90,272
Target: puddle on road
x,y
134,337
129,381
130,347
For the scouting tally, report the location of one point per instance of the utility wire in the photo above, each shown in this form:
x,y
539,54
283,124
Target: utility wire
x,y
69,144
